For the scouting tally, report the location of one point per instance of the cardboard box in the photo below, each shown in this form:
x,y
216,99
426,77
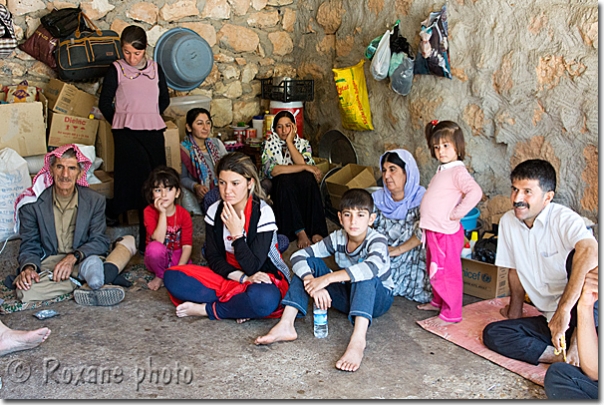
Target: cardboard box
x,y
172,144
322,164
131,217
66,129
350,176
484,280
106,187
67,99
104,146
23,127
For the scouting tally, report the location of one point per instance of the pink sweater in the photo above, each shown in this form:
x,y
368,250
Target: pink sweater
x,y
451,194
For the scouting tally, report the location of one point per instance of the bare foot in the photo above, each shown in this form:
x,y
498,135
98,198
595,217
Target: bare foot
x,y
442,322
351,360
191,309
155,284
15,340
316,238
428,307
281,332
242,320
303,241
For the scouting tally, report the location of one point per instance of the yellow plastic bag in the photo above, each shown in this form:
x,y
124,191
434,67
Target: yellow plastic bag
x,y
354,101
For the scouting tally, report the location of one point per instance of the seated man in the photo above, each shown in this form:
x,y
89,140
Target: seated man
x,y
62,227
565,381
536,239
362,288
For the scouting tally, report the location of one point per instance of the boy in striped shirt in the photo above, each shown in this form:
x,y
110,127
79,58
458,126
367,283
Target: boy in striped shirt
x,y
362,288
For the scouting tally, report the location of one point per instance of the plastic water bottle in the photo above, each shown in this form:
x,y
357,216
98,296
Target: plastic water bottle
x,y
320,321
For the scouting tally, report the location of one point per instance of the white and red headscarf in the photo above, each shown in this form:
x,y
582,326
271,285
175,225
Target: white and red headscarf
x,y
44,178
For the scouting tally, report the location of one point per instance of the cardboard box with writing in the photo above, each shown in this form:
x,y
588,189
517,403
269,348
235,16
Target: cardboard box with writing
x,y
23,127
172,145
66,129
350,176
484,280
104,146
67,99
106,186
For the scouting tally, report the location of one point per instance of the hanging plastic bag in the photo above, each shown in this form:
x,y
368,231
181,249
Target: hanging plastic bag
x,y
14,177
381,60
402,77
354,101
433,53
372,47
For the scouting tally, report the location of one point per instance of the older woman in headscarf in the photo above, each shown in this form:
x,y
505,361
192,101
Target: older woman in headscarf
x,y
397,205
287,161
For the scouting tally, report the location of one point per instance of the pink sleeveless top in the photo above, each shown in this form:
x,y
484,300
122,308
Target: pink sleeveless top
x,y
137,97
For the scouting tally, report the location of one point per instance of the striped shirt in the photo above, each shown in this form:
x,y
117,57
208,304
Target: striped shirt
x,y
369,260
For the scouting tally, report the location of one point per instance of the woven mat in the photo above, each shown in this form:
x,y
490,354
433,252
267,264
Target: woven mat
x,y
136,274
468,334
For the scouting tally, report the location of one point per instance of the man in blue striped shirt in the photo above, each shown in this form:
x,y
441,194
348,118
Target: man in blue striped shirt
x,y
362,288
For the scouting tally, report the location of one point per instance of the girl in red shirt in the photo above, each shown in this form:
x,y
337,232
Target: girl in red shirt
x,y
168,225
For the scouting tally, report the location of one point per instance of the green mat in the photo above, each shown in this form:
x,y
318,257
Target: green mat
x,y
136,274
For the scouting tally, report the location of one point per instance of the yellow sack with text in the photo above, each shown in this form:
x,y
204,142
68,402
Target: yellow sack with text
x,y
354,101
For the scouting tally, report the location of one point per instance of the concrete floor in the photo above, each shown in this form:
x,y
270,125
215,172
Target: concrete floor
x,y
139,349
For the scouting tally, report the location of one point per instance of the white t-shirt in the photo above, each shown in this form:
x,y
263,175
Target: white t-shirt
x,y
539,253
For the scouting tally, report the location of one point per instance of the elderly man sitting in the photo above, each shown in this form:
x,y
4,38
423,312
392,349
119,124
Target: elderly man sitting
x,y
62,227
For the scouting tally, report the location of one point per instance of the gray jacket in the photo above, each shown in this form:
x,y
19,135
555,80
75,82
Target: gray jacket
x,y
39,236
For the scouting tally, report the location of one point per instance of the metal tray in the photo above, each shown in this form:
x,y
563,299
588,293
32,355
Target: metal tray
x,y
337,148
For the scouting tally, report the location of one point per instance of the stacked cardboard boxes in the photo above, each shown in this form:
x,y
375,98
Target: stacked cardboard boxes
x,y
23,127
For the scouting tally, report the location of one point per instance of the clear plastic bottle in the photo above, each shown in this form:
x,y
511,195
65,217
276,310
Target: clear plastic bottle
x,y
320,321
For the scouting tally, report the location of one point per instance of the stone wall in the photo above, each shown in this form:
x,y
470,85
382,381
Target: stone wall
x,y
525,75
525,86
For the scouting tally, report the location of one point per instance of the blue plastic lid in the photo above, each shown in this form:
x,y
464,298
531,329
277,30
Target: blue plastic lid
x,y
185,57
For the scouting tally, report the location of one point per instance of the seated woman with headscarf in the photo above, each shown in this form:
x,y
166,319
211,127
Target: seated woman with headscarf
x,y
287,161
200,153
397,205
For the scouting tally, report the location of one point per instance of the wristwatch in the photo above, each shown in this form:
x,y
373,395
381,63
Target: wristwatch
x,y
78,255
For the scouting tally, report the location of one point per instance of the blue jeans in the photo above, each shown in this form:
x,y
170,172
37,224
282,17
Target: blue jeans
x,y
367,298
564,381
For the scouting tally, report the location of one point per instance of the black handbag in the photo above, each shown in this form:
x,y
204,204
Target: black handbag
x,y
87,55
61,23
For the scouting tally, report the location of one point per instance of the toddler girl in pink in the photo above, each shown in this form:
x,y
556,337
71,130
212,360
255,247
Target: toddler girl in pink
x,y
168,225
451,194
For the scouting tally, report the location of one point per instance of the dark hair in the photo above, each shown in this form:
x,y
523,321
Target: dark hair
x,y
241,164
193,113
394,158
435,131
281,114
135,36
536,169
161,175
356,198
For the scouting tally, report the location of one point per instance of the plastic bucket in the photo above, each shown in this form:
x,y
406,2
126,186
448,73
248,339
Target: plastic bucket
x,y
295,107
179,106
185,57
470,221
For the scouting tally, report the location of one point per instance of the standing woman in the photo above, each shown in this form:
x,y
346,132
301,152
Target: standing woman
x,y
397,206
246,276
139,89
200,154
287,161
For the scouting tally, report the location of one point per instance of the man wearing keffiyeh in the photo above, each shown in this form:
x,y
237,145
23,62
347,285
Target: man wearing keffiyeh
x,y
62,227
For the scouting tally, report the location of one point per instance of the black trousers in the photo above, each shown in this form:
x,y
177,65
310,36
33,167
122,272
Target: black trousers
x,y
525,339
298,205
